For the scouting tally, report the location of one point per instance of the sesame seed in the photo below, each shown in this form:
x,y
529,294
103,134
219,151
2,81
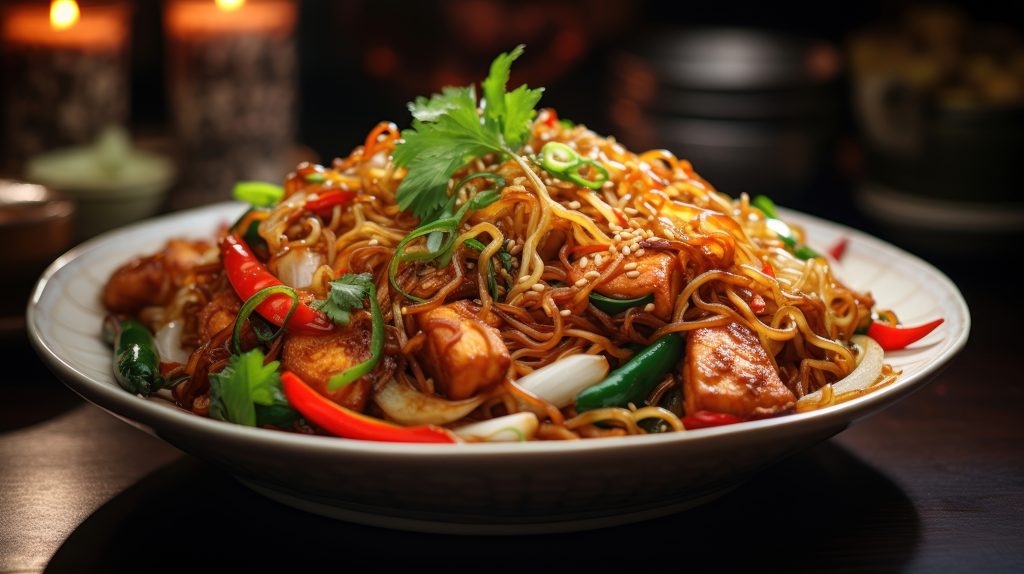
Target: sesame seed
x,y
630,266
373,241
597,260
612,249
632,274
470,265
640,252
618,237
538,287
630,211
650,218
580,282
519,180
625,250
565,312
615,227
591,274
648,308
523,278
584,261
574,204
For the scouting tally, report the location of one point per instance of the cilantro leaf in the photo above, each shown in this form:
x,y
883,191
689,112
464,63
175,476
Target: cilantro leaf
x,y
245,388
347,293
448,130
520,104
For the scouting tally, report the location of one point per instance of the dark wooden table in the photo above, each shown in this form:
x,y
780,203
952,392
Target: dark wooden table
x,y
933,484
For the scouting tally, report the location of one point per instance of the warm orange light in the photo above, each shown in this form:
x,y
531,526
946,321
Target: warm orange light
x,y
63,14
230,5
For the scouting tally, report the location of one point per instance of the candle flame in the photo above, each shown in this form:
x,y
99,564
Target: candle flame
x,y
63,14
230,5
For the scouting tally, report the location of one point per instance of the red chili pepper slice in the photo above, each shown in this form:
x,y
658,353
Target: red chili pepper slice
x,y
548,117
247,275
323,202
708,419
347,423
767,269
839,249
892,338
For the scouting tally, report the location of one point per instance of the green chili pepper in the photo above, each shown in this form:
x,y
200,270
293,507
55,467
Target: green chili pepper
x,y
136,360
633,381
616,306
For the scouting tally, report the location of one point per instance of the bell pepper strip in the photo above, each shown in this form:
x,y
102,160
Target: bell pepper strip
x,y
634,381
347,423
248,276
708,419
892,338
323,202
839,249
136,359
616,306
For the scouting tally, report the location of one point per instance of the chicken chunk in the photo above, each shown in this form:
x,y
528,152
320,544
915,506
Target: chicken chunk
x,y
152,280
658,274
728,371
464,354
316,358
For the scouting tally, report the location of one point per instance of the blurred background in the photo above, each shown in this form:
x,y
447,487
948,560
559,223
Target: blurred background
x,y
905,119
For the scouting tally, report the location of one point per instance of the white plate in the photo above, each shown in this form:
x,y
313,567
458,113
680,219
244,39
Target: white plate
x,y
481,488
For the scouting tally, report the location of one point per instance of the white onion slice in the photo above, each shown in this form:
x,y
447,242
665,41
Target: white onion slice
x,y
560,382
869,366
296,268
405,405
168,342
509,428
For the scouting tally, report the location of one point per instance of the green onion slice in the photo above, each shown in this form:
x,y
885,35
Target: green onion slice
x,y
250,305
258,193
616,306
558,158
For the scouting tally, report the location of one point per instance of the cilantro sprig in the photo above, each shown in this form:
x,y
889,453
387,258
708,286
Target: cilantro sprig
x,y
452,127
347,294
247,392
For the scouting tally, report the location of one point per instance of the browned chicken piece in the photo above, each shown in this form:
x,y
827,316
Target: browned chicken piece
x,y
728,371
152,280
218,313
464,354
316,358
656,274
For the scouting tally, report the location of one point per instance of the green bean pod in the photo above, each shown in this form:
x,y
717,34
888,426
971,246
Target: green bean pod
x,y
634,381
